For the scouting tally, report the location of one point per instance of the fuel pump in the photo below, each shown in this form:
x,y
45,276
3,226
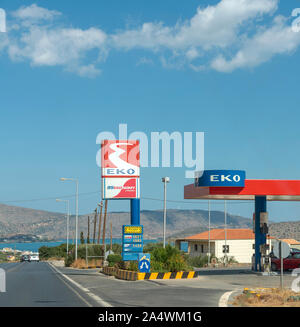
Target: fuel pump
x,y
264,247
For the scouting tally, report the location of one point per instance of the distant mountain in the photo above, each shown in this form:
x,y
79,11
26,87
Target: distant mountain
x,y
180,223
289,229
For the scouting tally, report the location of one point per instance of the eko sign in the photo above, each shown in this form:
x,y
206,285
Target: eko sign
x,y
220,178
120,163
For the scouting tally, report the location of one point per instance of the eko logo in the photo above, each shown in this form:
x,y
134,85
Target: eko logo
x,y
120,158
2,21
223,178
220,178
159,145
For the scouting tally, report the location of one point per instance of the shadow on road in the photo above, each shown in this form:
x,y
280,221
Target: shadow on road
x,y
225,271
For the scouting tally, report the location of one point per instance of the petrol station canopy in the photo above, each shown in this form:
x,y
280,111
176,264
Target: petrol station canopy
x,y
274,190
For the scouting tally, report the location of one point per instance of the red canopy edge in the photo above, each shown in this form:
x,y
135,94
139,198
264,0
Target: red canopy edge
x,y
274,190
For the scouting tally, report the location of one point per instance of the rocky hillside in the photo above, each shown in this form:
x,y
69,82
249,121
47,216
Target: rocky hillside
x,y
286,230
180,223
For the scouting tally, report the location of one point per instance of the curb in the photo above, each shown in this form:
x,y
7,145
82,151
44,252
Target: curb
x,y
90,267
133,275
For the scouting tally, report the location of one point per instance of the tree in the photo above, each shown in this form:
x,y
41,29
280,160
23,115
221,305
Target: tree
x,y
82,238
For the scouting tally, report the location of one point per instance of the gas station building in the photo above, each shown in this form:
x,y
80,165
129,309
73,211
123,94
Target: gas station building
x,y
233,185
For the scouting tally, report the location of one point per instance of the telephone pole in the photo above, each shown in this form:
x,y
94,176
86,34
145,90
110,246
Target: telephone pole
x,y
104,223
95,224
88,235
100,221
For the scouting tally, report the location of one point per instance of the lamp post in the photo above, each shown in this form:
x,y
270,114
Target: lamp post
x,y
208,232
76,221
68,215
225,230
165,180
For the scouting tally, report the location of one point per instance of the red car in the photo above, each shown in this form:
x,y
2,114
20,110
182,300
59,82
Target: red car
x,y
291,262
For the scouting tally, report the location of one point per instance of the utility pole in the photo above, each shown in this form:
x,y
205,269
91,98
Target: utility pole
x,y
88,234
110,235
104,223
95,225
165,180
100,221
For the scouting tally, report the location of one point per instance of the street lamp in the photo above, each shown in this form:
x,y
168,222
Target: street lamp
x,y
165,180
68,215
76,221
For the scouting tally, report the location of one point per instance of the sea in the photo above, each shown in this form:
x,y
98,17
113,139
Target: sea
x,y
34,246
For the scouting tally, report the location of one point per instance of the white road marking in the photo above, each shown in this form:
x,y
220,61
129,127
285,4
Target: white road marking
x,y
85,290
223,302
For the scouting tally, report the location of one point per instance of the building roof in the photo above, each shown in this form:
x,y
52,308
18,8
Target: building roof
x,y
219,234
290,241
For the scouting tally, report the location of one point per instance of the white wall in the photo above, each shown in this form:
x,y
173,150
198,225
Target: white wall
x,y
241,250
197,253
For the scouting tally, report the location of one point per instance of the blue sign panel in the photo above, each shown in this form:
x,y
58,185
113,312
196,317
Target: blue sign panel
x,y
144,262
131,256
219,178
132,242
184,246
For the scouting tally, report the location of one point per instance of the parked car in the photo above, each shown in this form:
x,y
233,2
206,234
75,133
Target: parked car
x,y
34,257
24,257
291,262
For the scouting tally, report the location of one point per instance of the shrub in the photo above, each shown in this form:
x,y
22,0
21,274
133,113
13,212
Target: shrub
x,y
148,248
114,259
199,261
117,248
133,266
228,260
59,251
177,263
168,259
68,261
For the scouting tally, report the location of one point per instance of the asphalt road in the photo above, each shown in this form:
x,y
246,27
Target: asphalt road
x,y
36,284
41,285
158,293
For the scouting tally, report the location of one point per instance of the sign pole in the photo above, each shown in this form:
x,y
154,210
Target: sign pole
x,y
281,264
135,211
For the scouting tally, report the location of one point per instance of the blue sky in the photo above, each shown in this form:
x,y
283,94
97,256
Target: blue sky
x,y
72,70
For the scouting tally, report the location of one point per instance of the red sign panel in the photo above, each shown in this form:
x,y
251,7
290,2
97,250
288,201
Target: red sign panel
x,y
120,158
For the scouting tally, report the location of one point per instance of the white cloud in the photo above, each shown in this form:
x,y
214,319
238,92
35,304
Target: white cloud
x,y
235,33
35,13
213,26
56,47
278,39
52,45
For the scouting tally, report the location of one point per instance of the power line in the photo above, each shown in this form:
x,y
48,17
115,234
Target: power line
x,y
203,202
50,198
194,202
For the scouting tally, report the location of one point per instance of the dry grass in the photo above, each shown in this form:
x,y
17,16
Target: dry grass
x,y
272,297
81,263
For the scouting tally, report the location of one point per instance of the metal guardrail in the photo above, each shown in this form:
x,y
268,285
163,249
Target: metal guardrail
x,y
93,256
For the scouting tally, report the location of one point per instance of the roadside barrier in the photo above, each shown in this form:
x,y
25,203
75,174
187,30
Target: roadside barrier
x,y
168,275
133,275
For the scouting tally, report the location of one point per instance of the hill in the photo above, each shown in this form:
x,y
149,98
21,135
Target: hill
x,y
50,225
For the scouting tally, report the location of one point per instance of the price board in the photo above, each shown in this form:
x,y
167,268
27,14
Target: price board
x,y
132,242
